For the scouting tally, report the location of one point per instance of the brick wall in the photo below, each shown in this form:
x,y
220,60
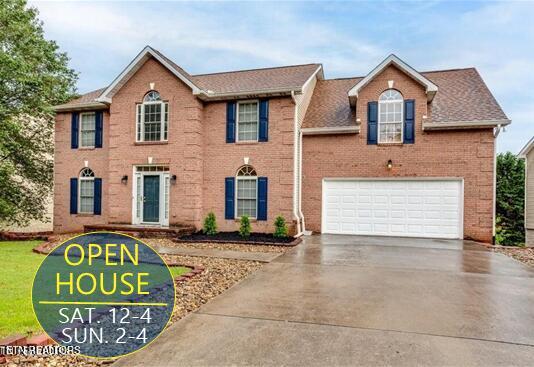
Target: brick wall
x,y
467,154
197,153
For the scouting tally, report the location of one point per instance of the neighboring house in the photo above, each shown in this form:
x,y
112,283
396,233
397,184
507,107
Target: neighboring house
x,y
398,152
527,153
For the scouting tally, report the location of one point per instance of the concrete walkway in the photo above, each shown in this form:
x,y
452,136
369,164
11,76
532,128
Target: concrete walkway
x,y
264,257
341,300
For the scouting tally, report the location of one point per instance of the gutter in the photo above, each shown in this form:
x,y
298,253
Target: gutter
x,y
296,178
480,124
212,96
331,130
80,107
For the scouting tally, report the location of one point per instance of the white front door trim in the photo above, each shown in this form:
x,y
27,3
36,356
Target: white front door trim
x,y
164,197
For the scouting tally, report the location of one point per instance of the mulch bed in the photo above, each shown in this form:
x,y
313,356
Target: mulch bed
x,y
234,237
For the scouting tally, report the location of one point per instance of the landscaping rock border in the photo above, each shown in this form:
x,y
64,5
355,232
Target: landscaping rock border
x,y
26,236
295,242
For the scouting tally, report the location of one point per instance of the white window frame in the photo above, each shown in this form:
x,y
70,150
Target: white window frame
x,y
241,178
140,120
380,104
80,179
81,129
257,120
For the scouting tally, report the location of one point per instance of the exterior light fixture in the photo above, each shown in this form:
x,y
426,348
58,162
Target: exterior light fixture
x,y
124,179
173,179
389,166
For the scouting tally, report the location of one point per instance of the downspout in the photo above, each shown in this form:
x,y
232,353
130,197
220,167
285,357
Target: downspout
x,y
300,184
296,171
496,132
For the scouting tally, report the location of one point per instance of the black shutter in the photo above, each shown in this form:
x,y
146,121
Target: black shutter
x,y
230,122
74,195
262,198
372,122
229,198
97,208
74,130
264,121
99,126
409,121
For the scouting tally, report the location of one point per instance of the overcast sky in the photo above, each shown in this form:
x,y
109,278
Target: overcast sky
x,y
348,38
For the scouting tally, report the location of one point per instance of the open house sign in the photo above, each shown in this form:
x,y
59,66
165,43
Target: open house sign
x,y
103,294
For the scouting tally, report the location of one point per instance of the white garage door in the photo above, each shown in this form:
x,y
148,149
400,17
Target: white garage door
x,y
413,208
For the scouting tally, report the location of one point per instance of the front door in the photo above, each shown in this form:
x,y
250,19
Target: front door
x,y
151,199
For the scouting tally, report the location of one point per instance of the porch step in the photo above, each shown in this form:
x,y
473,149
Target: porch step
x,y
142,231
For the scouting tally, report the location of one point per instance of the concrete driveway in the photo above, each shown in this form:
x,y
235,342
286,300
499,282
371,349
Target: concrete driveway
x,y
345,300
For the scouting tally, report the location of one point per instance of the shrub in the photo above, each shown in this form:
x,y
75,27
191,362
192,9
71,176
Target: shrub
x,y
510,200
280,227
244,227
210,224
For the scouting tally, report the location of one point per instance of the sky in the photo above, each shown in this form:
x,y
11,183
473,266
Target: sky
x,y
349,38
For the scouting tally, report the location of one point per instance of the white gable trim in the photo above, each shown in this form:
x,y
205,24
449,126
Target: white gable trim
x,y
527,148
136,63
431,88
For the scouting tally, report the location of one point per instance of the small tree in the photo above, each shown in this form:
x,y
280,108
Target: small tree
x,y
510,200
280,227
244,227
210,224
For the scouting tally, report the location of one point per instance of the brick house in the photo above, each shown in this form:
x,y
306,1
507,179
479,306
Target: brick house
x,y
397,152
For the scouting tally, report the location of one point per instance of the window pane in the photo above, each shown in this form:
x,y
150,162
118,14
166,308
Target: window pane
x,y
87,188
248,121
246,197
152,125
87,129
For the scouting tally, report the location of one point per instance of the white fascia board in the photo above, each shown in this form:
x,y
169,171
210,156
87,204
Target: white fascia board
x,y
465,124
431,88
527,148
136,63
202,94
80,107
331,130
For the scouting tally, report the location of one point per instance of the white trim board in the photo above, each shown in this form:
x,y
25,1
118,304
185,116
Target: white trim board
x,y
431,88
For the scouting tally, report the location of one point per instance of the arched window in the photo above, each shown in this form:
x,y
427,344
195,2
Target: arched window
x,y
246,193
86,191
152,118
390,117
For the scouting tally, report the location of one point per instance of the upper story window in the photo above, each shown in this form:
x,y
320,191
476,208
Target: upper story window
x,y
87,129
86,193
246,193
152,118
247,121
390,117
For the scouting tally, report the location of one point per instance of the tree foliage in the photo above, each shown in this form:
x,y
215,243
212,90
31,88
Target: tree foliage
x,y
510,200
34,76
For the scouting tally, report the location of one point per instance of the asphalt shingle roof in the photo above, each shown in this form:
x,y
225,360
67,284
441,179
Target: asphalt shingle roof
x,y
462,97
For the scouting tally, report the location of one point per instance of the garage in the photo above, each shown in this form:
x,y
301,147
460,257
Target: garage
x,y
393,207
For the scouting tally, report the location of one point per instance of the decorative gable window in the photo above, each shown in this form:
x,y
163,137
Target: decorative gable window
x,y
390,117
152,118
247,121
87,129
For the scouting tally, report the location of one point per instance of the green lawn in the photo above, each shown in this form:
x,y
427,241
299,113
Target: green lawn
x,y
19,265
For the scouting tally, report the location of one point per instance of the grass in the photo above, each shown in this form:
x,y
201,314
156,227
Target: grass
x,y
19,265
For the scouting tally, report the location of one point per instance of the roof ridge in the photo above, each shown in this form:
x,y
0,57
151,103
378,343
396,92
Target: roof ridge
x,y
256,69
447,70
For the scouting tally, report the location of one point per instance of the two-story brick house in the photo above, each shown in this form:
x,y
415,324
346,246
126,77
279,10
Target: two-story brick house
x,y
397,152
